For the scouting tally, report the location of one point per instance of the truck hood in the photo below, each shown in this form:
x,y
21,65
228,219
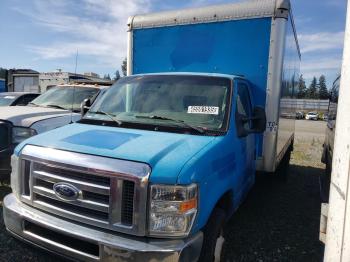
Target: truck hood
x,y
166,153
27,115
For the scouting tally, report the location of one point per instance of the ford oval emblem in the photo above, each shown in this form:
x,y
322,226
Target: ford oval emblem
x,y
66,191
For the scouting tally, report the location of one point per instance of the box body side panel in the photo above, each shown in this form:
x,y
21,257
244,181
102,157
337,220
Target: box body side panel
x,y
290,77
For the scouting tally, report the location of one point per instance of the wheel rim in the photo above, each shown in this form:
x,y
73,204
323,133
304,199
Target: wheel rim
x,y
218,247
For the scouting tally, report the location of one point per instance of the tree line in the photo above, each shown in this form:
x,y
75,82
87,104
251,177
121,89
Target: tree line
x,y
3,73
316,90
117,75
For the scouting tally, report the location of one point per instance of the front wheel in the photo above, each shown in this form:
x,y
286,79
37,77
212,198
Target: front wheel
x,y
213,237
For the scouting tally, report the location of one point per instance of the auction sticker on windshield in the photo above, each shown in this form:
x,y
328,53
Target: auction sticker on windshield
x,y
207,110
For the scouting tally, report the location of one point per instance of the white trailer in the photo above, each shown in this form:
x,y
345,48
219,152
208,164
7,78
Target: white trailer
x,y
337,239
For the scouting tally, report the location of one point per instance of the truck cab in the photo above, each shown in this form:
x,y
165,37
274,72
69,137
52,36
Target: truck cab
x,y
158,148
57,107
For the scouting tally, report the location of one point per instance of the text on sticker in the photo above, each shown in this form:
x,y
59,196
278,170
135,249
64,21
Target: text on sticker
x,y
207,110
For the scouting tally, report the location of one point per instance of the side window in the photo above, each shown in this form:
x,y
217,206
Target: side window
x,y
244,105
24,100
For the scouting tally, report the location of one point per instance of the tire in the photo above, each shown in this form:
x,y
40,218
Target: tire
x,y
213,237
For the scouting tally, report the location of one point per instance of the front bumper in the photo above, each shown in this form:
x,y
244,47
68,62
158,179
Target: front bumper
x,y
89,244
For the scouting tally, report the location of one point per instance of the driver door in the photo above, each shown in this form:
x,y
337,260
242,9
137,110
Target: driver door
x,y
244,111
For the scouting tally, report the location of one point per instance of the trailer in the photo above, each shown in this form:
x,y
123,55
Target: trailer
x,y
335,215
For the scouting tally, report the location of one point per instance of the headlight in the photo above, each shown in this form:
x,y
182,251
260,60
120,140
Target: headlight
x,y
172,210
20,134
15,175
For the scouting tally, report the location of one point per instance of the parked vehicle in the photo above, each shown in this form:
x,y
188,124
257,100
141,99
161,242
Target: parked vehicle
x,y
299,115
312,116
325,117
158,165
16,98
328,144
57,107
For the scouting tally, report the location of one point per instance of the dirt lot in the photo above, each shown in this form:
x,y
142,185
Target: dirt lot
x,y
279,221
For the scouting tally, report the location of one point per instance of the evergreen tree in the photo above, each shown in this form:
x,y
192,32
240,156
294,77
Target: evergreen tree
x,y
312,90
2,73
301,87
116,76
124,67
323,92
107,77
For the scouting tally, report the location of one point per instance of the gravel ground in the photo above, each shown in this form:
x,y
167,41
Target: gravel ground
x,y
279,221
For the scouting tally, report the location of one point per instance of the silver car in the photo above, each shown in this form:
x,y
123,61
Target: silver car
x,y
312,116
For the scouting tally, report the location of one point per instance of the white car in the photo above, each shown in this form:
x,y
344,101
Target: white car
x,y
56,107
312,116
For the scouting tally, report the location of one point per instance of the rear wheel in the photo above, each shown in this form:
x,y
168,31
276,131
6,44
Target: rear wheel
x,y
213,237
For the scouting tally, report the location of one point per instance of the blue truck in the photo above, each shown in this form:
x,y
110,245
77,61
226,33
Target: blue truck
x,y
157,166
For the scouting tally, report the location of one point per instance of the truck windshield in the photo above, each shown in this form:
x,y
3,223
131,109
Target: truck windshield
x,y
6,100
66,97
192,102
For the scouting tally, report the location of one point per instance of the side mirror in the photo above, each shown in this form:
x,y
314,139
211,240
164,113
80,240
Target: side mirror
x,y
258,120
85,106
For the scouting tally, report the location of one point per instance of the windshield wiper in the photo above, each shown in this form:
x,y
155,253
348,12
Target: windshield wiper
x,y
111,116
56,106
196,128
33,104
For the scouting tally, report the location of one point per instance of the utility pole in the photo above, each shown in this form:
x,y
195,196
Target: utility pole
x,y
338,224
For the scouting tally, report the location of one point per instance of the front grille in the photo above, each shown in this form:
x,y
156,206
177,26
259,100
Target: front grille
x,y
93,204
4,135
100,180
108,193
67,207
94,201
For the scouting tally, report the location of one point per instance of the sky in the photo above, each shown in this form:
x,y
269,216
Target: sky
x,y
45,35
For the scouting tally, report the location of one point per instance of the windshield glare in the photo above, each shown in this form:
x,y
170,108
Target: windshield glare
x,y
6,100
65,97
195,100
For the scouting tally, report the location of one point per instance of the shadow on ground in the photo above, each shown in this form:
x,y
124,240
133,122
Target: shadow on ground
x,y
279,221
